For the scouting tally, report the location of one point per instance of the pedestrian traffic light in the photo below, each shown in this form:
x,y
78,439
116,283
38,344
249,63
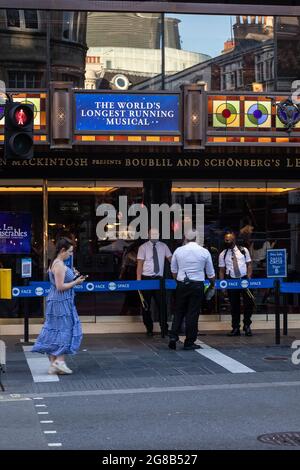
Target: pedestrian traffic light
x,y
18,131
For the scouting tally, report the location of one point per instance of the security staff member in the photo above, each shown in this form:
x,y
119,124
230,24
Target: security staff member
x,y
188,265
235,263
150,265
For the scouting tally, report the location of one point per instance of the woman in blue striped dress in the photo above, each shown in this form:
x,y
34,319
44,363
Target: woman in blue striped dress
x,y
61,333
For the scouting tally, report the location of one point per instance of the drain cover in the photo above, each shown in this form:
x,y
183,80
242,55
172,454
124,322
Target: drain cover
x,y
276,358
281,438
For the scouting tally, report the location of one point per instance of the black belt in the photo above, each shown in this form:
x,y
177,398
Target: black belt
x,y
151,277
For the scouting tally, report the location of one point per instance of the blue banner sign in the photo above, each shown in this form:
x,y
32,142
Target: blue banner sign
x,y
41,289
31,291
233,284
290,287
245,284
119,112
276,263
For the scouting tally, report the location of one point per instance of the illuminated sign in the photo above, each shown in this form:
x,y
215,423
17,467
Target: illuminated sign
x,y
127,112
15,232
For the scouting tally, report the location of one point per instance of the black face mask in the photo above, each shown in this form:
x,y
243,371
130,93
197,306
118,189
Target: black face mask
x,y
229,244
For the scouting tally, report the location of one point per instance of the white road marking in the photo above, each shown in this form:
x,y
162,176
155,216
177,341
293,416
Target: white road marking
x,y
54,444
40,406
221,359
39,365
38,398
5,398
43,413
47,422
49,432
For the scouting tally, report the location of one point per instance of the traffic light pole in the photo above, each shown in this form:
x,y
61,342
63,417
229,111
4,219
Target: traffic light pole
x,y
18,130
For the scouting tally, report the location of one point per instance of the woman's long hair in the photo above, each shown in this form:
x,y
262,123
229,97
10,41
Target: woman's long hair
x,y
63,243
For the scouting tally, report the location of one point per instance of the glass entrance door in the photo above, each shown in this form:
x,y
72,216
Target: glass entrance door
x,y
263,214
21,226
72,212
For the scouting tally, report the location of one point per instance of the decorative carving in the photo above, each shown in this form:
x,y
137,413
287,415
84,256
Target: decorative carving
x,y
288,113
61,116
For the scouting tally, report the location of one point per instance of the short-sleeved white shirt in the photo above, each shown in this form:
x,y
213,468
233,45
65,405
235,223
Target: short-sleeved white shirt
x,y
145,253
241,259
193,261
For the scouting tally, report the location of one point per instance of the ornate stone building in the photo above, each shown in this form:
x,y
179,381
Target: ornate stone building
x,y
25,41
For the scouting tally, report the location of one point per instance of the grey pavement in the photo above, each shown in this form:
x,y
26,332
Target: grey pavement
x,y
131,392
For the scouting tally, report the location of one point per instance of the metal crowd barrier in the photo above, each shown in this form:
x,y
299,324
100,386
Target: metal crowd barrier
x,y
41,289
2,362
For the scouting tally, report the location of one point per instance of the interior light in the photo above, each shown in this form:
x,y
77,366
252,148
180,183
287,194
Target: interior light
x,y
232,190
81,189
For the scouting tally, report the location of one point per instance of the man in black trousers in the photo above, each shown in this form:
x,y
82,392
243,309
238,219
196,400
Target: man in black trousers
x,y
189,264
235,263
150,266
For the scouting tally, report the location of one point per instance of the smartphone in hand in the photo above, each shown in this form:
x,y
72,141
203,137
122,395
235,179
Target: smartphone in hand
x,y
78,275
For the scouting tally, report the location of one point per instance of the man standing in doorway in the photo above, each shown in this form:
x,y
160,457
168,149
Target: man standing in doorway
x,y
150,265
189,264
235,263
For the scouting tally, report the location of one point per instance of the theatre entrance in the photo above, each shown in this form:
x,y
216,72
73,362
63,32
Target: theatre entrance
x,y
263,213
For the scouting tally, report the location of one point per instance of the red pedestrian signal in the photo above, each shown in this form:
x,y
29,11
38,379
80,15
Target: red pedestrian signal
x,y
18,132
22,116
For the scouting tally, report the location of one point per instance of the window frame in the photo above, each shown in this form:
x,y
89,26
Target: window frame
x,y
25,82
74,29
22,20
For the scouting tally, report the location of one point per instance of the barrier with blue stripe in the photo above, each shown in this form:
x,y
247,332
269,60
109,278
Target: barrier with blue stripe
x,y
290,287
41,289
259,283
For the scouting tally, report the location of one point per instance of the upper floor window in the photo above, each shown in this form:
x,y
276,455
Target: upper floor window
x,y
24,79
71,25
31,19
70,78
22,19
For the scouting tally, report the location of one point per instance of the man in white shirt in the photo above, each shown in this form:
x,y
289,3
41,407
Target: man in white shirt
x,y
235,263
150,265
189,264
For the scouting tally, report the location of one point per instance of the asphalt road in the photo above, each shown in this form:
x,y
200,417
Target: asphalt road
x,y
223,416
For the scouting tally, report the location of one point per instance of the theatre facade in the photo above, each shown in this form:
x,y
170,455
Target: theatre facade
x,y
168,102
